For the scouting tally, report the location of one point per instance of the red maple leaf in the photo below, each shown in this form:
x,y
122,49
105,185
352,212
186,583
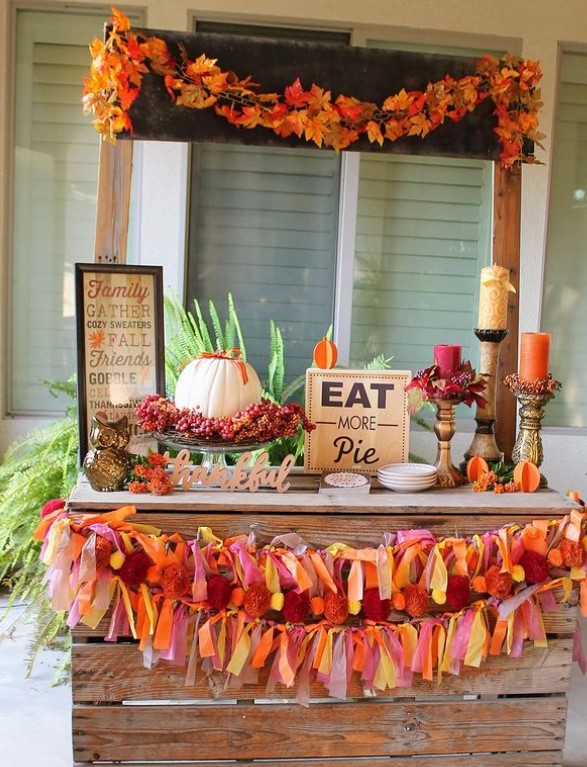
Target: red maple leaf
x,y
295,95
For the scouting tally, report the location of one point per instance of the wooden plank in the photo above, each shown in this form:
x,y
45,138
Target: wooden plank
x,y
507,212
303,498
516,759
560,622
115,672
320,531
369,74
112,215
250,731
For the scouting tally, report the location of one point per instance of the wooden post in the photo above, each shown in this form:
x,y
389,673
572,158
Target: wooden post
x,y
507,209
112,213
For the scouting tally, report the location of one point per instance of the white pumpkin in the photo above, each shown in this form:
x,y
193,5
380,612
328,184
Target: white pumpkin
x,y
219,386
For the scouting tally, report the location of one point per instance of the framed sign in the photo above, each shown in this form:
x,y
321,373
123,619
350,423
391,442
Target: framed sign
x,y
120,348
361,418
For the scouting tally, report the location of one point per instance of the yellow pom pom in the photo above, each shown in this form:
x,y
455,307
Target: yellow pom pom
x,y
585,542
277,601
117,560
439,596
354,606
518,574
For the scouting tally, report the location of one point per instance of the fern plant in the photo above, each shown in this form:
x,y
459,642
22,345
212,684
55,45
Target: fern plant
x,y
187,334
41,466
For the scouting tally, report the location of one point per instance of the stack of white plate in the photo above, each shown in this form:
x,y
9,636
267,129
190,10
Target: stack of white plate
x,y
407,477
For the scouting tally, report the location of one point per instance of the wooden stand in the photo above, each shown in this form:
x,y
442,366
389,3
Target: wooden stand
x,y
484,443
511,712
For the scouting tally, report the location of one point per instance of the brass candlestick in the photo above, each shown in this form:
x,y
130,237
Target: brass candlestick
x,y
444,428
484,443
528,446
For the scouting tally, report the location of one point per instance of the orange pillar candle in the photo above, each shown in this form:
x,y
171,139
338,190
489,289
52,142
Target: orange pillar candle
x,y
534,351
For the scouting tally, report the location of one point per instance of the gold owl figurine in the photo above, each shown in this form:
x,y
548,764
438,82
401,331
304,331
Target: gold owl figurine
x,y
107,462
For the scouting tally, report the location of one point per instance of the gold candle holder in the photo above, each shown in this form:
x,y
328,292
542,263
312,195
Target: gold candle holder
x,y
484,443
528,446
444,428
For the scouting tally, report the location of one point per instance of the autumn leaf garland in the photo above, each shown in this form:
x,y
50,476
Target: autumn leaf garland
x,y
119,63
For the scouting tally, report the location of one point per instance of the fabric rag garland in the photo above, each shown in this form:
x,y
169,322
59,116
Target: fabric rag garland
x,y
120,62
416,604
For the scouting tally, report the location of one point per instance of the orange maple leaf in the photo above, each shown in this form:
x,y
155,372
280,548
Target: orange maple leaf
x,y
398,103
96,339
374,132
250,117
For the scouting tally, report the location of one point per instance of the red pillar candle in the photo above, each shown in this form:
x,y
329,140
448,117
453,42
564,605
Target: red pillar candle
x,y
534,351
448,358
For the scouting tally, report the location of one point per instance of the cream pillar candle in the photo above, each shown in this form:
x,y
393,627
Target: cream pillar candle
x,y
493,298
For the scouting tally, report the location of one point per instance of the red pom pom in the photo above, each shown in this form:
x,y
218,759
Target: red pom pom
x,y
416,600
257,600
535,566
498,584
457,592
175,581
134,568
103,552
219,592
336,607
295,606
50,506
572,553
375,608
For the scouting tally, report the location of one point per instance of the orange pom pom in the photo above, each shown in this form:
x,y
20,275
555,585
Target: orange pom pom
x,y
237,596
175,581
154,574
416,598
336,607
479,584
572,553
103,552
555,558
398,600
257,600
498,584
317,604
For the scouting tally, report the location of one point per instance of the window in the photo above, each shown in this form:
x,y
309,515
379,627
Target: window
x,y
55,171
55,165
564,311
387,247
422,238
263,227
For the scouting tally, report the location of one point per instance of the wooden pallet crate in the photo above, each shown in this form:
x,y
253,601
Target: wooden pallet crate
x,y
510,711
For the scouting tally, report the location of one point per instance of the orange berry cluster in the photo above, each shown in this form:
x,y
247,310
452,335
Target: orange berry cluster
x,y
490,480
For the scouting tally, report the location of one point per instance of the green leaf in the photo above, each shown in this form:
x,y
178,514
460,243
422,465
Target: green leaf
x,y
234,319
217,327
203,329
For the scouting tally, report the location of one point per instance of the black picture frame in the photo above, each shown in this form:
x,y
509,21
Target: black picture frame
x,y
120,343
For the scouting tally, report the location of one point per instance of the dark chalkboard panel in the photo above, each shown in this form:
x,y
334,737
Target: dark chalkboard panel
x,y
369,74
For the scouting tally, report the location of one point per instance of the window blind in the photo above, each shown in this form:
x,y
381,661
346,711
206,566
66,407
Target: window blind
x,y
564,311
422,238
55,172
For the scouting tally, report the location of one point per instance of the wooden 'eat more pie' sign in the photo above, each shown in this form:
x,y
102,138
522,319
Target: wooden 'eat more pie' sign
x,y
361,418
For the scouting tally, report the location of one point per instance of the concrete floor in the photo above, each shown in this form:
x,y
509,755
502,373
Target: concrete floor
x,y
35,717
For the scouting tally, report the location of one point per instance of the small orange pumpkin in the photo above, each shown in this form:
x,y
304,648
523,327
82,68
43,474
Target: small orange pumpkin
x,y
527,476
476,466
325,354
